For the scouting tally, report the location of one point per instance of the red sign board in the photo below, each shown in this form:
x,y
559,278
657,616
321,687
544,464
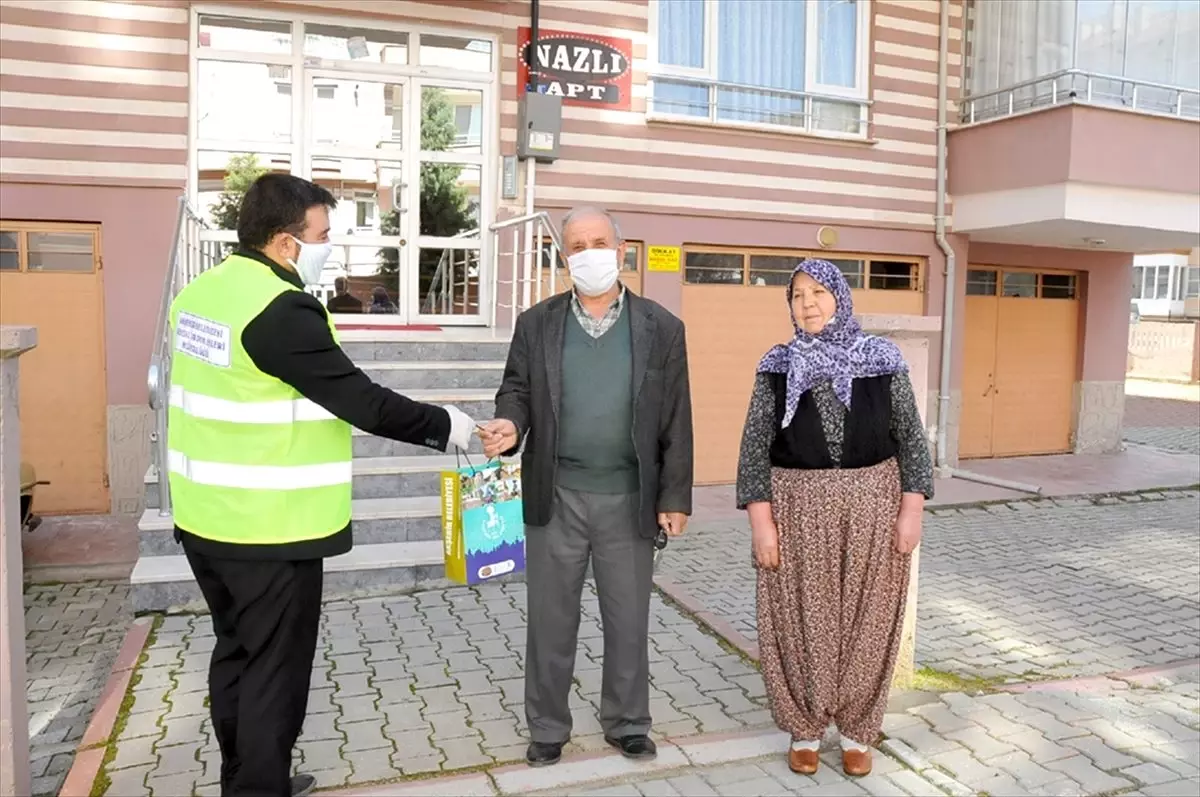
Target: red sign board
x,y
586,70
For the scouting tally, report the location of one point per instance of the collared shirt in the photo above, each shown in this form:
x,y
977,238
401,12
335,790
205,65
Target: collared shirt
x,y
596,327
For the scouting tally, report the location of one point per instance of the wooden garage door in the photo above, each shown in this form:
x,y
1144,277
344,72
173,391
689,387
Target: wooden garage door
x,y
50,278
735,309
1020,362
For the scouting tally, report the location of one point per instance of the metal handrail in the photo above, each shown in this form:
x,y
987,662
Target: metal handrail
x,y
1072,94
180,271
535,226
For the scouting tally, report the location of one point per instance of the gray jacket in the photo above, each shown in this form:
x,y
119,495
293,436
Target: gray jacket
x,y
662,411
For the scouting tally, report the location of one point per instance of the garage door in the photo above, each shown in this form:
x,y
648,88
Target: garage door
x,y
735,310
50,278
1020,362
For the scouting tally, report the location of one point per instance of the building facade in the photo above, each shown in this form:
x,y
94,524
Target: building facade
x,y
730,137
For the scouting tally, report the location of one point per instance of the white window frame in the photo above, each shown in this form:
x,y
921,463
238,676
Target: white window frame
x,y
707,74
413,74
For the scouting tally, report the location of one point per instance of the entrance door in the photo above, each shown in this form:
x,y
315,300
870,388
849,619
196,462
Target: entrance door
x,y
445,268
50,278
357,145
1020,363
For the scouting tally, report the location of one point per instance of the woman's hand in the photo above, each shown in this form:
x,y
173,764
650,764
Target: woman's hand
x,y
764,535
908,522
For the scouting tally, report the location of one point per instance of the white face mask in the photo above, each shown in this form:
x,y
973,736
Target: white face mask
x,y
311,260
593,271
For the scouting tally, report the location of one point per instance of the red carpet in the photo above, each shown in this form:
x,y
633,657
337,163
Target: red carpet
x,y
388,328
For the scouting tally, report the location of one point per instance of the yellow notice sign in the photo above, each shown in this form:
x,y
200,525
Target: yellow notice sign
x,y
663,258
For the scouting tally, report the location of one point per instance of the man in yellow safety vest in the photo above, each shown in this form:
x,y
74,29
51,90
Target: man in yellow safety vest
x,y
262,403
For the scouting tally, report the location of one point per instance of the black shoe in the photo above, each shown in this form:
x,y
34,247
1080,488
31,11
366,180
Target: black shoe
x,y
303,785
543,754
639,748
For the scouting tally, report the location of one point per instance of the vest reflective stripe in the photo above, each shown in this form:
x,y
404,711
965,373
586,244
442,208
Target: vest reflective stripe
x,y
211,408
251,461
260,477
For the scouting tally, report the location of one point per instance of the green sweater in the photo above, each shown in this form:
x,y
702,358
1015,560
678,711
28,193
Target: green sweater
x,y
595,433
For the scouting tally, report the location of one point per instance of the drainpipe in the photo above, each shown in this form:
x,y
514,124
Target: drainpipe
x,y
944,469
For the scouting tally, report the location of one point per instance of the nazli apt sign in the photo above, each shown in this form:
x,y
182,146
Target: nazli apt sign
x,y
592,71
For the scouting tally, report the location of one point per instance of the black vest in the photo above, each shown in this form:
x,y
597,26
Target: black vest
x,y
867,432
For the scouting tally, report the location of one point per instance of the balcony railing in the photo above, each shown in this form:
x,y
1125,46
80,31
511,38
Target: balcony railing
x,y
1075,86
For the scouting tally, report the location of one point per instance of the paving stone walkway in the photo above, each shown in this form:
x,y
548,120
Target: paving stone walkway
x,y
72,635
1133,735
1163,423
417,684
1057,588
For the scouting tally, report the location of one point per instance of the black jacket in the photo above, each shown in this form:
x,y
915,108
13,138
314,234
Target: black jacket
x,y
662,407
291,341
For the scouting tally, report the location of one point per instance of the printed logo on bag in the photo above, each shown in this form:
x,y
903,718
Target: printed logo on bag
x,y
585,70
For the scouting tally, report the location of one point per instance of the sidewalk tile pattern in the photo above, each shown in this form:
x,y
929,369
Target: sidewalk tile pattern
x,y
417,684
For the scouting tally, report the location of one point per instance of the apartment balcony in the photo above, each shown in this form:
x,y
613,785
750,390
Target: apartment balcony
x,y
1078,160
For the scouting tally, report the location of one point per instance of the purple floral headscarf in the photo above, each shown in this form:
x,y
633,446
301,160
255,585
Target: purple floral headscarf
x,y
839,353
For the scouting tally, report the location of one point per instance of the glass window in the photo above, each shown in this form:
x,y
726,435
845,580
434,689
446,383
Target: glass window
x,y
243,102
358,114
1193,286
454,52
1058,286
355,44
981,282
852,270
1156,41
1020,284
1137,281
772,269
60,251
223,178
442,109
450,200
760,73
10,254
247,35
1162,281
713,267
888,275
449,281
633,256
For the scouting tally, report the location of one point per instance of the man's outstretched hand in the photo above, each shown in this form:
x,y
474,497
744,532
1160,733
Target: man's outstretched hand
x,y
498,435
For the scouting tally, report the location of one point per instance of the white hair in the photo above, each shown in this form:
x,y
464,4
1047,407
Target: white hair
x,y
588,211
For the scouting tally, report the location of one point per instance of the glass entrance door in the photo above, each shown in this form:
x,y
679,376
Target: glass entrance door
x,y
446,276
357,146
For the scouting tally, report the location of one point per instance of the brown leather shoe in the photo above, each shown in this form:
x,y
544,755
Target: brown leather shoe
x,y
803,762
856,763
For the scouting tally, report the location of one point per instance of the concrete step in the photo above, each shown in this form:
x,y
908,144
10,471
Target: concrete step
x,y
376,520
166,584
369,445
419,374
431,349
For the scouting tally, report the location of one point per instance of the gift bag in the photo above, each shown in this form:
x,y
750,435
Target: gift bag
x,y
483,531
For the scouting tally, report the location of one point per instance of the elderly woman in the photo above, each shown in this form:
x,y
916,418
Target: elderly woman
x,y
834,473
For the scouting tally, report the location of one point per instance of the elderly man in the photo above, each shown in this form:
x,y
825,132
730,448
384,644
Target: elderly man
x,y
596,386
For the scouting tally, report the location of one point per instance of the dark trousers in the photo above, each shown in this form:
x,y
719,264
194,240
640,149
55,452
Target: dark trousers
x,y
602,528
266,616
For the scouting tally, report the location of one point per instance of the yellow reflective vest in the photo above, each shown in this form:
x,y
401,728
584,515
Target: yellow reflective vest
x,y
251,461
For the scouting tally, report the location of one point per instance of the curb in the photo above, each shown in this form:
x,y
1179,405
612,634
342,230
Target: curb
x,y
919,764
89,755
1141,676
722,628
584,769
